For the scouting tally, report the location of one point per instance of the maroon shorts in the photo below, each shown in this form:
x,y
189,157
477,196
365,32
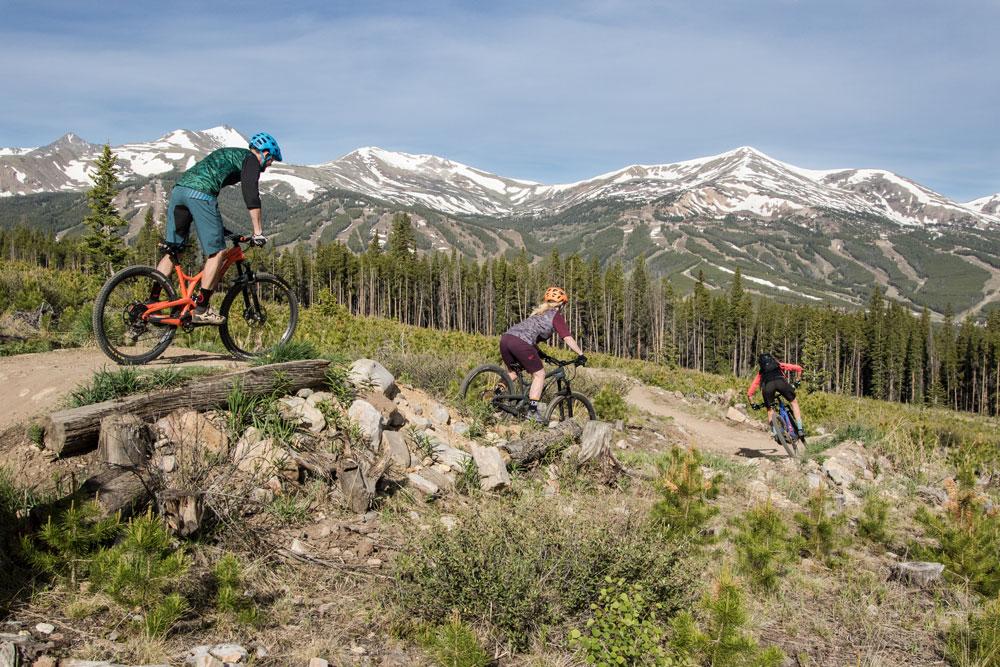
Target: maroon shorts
x,y
517,354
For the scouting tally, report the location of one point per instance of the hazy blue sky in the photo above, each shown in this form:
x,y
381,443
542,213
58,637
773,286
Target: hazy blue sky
x,y
549,91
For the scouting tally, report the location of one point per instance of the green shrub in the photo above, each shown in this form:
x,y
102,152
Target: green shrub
x,y
468,482
339,383
723,642
435,373
623,628
454,644
966,537
36,434
683,508
229,585
144,570
289,510
610,405
69,540
523,565
821,533
873,524
976,642
764,548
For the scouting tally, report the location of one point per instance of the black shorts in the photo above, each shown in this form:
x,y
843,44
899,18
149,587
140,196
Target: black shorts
x,y
518,354
779,386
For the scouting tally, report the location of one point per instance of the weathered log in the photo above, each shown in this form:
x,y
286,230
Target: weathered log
x,y
127,492
125,440
321,464
76,430
184,513
538,443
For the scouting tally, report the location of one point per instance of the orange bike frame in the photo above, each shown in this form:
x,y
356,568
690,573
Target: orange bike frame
x,y
187,284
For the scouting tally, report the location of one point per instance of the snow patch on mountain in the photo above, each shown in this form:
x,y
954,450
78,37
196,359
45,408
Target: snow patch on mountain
x,y
303,187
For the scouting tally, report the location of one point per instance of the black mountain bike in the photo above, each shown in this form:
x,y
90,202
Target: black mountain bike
x,y
261,310
491,384
784,429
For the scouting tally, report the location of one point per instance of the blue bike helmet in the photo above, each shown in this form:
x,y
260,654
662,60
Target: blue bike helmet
x,y
263,141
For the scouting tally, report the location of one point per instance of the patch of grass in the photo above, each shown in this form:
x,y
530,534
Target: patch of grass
x,y
339,383
36,434
467,481
107,385
293,350
873,523
976,641
289,510
524,564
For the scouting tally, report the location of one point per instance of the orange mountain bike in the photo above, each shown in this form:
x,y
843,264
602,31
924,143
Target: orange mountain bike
x,y
261,310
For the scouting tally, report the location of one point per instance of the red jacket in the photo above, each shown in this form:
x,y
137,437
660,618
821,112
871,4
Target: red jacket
x,y
784,369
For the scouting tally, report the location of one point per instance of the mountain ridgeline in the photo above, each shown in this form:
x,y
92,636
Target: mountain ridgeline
x,y
797,235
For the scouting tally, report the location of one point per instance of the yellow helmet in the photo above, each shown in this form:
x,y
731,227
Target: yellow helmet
x,y
557,294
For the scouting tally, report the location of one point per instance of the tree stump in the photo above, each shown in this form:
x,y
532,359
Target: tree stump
x,y
124,441
595,441
183,512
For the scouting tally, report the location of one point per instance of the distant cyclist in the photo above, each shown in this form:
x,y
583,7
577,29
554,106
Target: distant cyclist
x,y
772,380
195,197
519,344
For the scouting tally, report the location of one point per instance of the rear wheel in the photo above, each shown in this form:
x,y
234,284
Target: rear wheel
x,y
575,406
261,314
488,385
120,331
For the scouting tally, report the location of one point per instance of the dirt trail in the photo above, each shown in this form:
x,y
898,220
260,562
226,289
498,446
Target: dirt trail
x,y
32,384
711,432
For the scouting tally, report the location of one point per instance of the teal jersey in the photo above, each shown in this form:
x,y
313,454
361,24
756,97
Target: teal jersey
x,y
219,168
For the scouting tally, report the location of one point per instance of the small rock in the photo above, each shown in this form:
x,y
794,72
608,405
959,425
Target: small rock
x,y
394,444
732,414
422,484
185,427
208,660
8,654
364,548
44,661
262,496
368,419
318,397
456,459
814,481
358,650
619,425
449,522
45,628
445,481
837,472
460,428
325,608
933,495
370,516
229,653
440,415
374,562
298,410
420,422
318,662
168,463
366,373
417,409
305,392
918,573
298,547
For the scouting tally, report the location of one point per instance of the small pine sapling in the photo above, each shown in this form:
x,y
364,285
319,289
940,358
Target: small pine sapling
x,y
683,508
66,544
821,533
873,524
764,549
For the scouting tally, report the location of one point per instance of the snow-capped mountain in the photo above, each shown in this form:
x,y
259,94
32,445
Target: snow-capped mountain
x,y
65,164
741,182
990,205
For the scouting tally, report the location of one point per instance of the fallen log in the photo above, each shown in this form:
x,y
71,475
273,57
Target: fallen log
x,y
537,444
112,488
75,430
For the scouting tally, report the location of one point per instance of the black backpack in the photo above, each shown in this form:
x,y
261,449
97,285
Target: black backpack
x,y
768,365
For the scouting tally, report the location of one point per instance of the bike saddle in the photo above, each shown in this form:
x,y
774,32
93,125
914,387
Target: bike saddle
x,y
171,248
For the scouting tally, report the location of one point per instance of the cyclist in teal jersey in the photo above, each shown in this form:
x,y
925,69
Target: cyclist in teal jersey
x,y
195,199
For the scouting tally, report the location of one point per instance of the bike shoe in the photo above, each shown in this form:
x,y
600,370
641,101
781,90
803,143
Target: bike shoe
x,y
207,316
537,416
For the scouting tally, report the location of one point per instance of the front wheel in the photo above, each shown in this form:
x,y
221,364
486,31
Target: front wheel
x,y
119,327
573,406
782,436
261,314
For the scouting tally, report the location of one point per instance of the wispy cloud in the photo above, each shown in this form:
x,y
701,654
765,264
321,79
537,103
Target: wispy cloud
x,y
546,91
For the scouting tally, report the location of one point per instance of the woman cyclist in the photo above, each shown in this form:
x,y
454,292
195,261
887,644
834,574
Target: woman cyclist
x,y
771,379
519,344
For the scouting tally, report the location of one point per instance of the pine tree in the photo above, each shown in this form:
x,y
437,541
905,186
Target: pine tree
x,y
147,241
103,223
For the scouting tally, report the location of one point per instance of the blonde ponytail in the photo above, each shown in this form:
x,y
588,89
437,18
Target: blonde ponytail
x,y
544,307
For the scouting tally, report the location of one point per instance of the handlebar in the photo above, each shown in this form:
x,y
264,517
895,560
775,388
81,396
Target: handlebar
x,y
557,362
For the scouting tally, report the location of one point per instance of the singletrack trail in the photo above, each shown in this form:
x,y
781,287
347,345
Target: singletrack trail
x,y
707,431
34,384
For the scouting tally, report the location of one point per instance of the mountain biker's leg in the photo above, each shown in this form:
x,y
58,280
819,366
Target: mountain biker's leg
x,y
211,236
798,414
176,232
509,359
526,356
767,395
788,391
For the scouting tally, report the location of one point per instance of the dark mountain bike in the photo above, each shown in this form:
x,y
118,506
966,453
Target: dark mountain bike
x,y
786,434
261,310
491,384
